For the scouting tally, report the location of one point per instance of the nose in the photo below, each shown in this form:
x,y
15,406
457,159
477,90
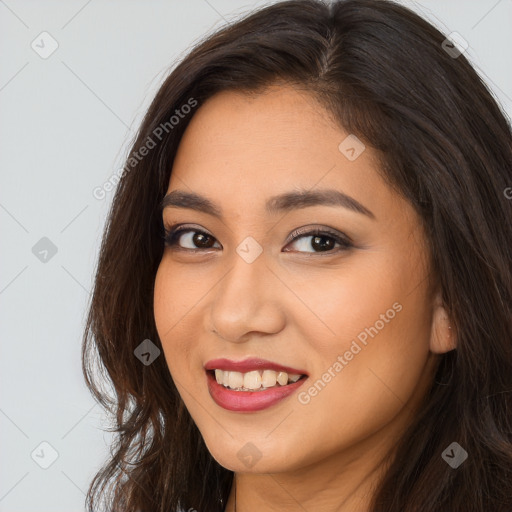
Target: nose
x,y
247,300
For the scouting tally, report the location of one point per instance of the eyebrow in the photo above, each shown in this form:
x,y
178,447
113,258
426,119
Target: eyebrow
x,y
274,205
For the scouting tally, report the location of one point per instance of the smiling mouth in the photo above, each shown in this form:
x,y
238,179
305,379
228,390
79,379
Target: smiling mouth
x,y
255,380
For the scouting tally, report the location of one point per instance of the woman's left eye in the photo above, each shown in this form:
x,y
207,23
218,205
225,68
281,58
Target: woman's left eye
x,y
321,241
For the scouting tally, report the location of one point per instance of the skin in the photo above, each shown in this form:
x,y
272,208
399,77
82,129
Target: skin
x,y
295,304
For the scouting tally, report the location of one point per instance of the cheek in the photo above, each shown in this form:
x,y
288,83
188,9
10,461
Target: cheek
x,y
172,302
370,341
177,292
343,303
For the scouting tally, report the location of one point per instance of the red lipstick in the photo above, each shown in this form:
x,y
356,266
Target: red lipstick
x,y
249,401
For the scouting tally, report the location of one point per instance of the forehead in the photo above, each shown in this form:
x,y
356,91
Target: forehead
x,y
280,124
241,149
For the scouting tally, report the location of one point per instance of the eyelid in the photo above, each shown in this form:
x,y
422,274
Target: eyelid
x,y
309,230
174,227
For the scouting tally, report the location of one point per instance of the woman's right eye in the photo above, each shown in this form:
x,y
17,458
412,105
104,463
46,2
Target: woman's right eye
x,y
188,239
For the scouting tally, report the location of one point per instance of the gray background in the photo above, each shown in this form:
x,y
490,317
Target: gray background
x,y
66,124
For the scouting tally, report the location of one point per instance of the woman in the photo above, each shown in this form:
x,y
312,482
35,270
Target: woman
x,y
303,295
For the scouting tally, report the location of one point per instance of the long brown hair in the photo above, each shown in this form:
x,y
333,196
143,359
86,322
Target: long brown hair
x,y
384,74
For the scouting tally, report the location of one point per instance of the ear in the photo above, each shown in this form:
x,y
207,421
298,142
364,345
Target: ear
x,y
443,337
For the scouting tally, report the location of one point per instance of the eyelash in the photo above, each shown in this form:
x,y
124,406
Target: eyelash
x,y
172,234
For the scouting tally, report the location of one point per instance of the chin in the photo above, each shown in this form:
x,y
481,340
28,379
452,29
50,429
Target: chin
x,y
249,457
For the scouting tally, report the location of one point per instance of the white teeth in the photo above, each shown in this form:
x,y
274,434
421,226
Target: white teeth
x,y
252,380
255,380
236,380
282,378
268,379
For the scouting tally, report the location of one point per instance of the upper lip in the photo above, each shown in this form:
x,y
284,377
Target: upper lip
x,y
250,364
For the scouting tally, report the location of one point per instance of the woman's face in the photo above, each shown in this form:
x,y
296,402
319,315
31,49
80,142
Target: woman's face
x,y
349,307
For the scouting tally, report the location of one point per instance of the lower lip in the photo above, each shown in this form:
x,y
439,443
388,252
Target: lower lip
x,y
248,401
